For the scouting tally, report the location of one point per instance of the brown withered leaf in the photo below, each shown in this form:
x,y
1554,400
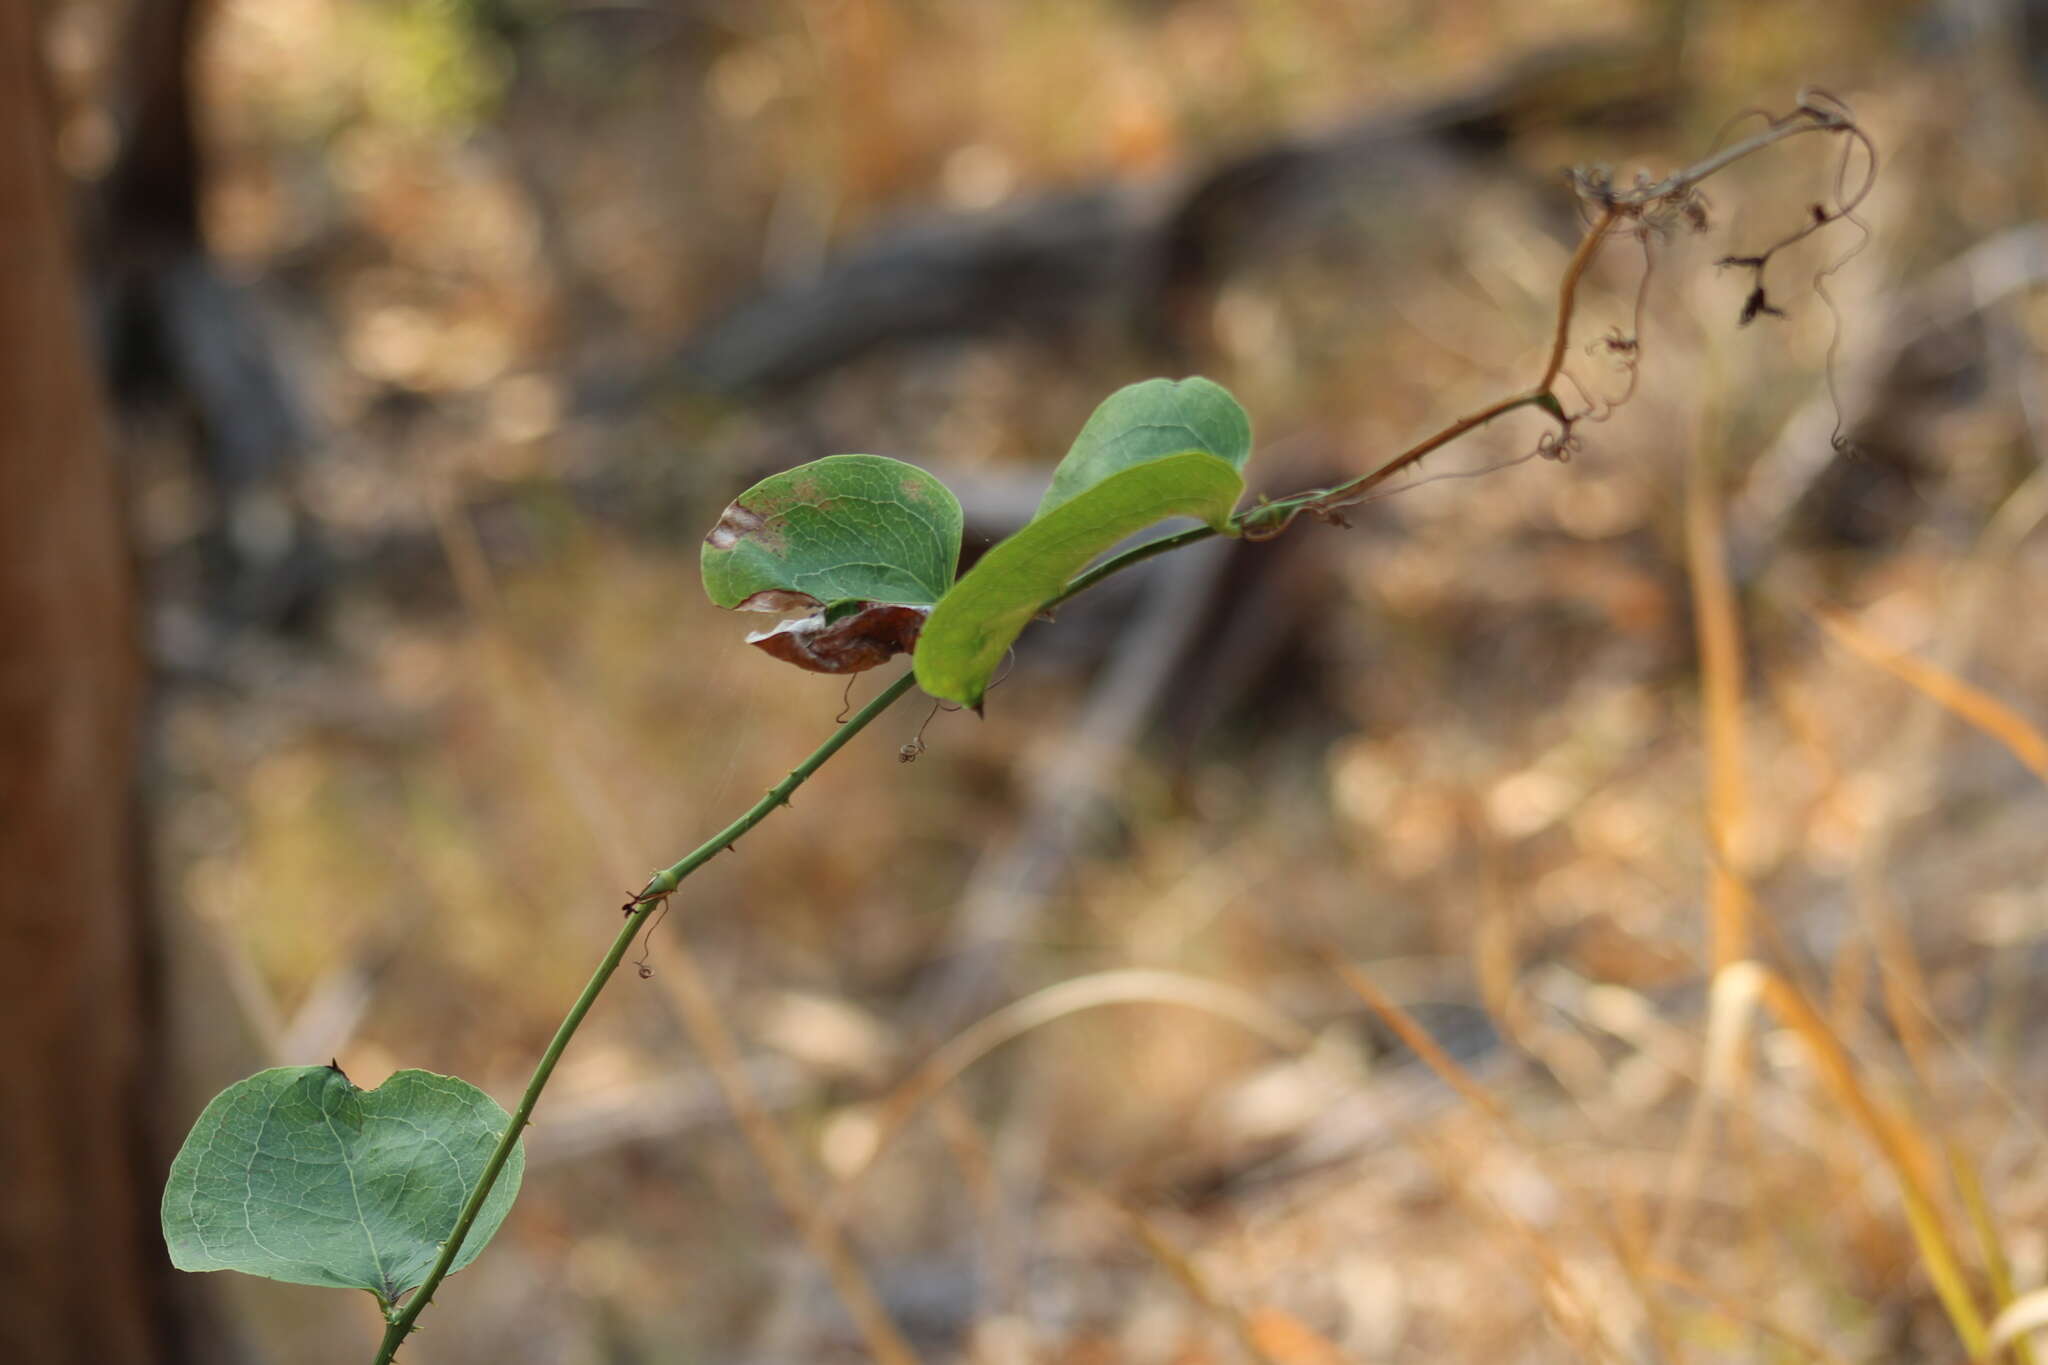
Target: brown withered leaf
x,y
852,642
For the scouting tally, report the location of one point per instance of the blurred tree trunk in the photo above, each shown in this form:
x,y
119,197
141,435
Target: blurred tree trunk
x,y
85,1279
186,346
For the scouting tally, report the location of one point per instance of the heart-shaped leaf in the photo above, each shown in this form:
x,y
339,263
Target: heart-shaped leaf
x,y
1151,451
296,1175
854,549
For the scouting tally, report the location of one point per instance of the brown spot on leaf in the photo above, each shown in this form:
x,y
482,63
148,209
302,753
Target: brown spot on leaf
x,y
853,643
784,600
775,502
734,526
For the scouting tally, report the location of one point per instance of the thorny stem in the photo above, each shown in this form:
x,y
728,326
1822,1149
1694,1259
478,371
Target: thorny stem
x,y
658,889
1259,523
664,882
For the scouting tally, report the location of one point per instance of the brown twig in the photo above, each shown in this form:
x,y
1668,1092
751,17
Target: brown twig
x,y
1648,205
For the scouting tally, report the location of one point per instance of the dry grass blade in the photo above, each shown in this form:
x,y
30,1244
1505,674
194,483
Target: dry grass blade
x,y
1122,987
1970,704
2023,1317
1997,1268
1731,1006
1719,631
1290,1341
1418,1040
684,982
1472,1092
1998,1089
1185,1272
1903,1150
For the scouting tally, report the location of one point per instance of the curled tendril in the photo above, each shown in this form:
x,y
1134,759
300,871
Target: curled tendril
x,y
1649,211
1559,445
1261,526
914,747
646,941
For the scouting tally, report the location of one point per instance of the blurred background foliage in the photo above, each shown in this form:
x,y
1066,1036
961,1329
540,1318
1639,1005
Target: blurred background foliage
x,y
539,284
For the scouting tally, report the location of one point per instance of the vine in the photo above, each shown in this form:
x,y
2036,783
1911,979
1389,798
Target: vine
x,y
856,554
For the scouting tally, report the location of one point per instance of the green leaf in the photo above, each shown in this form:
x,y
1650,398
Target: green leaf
x,y
847,528
1163,448
1145,421
976,623
296,1175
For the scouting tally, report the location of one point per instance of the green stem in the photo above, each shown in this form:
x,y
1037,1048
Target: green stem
x,y
1265,520
658,888
666,880
662,884
1268,519
1118,563
1271,518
